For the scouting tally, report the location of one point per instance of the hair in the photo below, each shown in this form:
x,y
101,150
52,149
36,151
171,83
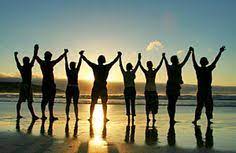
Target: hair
x,y
129,66
72,65
149,64
204,61
174,59
47,55
101,59
26,60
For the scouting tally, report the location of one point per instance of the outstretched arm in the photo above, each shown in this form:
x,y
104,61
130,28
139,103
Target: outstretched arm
x,y
66,61
195,65
36,48
60,57
159,66
165,60
138,63
115,60
86,60
185,59
222,49
17,60
142,68
121,66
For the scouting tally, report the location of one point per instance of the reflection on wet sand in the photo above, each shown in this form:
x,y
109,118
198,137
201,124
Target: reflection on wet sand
x,y
67,129
209,141
151,134
129,137
171,135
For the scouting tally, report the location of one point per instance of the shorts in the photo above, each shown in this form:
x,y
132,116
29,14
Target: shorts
x,y
99,92
130,93
72,91
173,89
49,92
152,102
25,93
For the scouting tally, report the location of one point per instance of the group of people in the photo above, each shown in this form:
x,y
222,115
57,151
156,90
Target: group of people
x,y
101,71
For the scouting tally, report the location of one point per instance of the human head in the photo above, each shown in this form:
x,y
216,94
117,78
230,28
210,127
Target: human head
x,y
72,65
149,64
174,60
26,60
101,59
129,66
204,61
47,56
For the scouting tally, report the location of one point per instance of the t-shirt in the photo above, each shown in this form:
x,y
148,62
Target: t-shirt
x,y
204,76
129,77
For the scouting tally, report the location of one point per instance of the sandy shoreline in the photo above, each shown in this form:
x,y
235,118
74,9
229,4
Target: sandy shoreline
x,y
117,135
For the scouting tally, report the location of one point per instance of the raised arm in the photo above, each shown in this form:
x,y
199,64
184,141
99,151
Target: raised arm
x,y
185,59
86,60
66,61
138,63
222,49
60,57
17,60
121,66
142,68
195,65
115,60
165,60
159,66
36,48
79,63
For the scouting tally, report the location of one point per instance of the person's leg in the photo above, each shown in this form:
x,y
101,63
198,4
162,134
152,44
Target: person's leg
x,y
199,107
133,108
18,107
68,101
75,102
147,106
127,104
51,104
104,107
172,99
31,109
209,108
43,107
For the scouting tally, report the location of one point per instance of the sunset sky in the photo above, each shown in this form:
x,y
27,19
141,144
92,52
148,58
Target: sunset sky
x,y
107,26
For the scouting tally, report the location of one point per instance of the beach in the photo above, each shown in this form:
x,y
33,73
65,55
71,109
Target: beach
x,y
117,135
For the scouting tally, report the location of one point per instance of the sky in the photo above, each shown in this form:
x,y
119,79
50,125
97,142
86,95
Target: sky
x,y
107,26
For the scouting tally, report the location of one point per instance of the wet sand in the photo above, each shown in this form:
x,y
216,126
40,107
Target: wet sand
x,y
117,135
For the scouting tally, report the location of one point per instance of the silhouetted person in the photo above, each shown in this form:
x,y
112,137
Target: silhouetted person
x,y
174,72
129,91
100,72
171,135
72,89
204,78
129,137
26,86
151,135
48,84
209,141
42,129
151,95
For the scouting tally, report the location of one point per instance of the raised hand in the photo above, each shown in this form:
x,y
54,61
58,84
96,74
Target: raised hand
x,y
15,53
81,52
191,49
36,47
66,51
119,53
222,49
163,54
139,56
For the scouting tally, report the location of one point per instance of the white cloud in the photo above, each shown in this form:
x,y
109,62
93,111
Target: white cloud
x,y
180,53
155,45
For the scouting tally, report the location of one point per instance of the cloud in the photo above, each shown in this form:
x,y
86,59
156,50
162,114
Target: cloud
x,y
180,53
155,45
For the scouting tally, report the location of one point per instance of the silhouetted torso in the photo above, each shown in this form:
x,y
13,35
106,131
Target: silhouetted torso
x,y
72,76
204,77
47,70
150,80
129,77
26,73
100,75
174,73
